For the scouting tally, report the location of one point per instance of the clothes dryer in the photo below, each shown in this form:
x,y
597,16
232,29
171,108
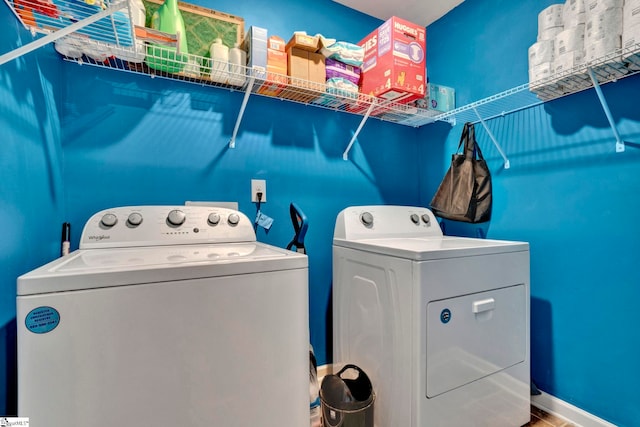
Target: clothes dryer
x,y
440,324
165,316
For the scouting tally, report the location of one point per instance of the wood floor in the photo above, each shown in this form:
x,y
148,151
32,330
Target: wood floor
x,y
539,418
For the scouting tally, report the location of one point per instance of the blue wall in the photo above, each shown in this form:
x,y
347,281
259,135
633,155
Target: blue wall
x,y
31,189
79,139
168,143
84,139
567,192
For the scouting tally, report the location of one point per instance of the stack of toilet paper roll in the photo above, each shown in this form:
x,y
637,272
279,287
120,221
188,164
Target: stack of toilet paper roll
x,y
541,56
541,53
569,43
569,49
631,24
550,22
603,28
631,33
584,33
573,13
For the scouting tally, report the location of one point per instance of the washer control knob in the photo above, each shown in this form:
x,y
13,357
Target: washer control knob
x,y
367,219
134,219
415,219
426,219
213,219
109,220
176,217
233,219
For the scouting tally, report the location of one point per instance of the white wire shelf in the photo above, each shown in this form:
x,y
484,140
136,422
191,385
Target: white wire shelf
x,y
207,72
622,63
111,41
101,35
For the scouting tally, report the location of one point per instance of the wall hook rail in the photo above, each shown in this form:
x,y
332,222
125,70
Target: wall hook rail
x,y
507,165
607,111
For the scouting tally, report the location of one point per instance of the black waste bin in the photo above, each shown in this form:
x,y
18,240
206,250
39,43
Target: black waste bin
x,y
346,401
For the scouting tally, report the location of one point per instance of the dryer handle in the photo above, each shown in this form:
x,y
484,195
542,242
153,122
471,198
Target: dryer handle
x,y
483,305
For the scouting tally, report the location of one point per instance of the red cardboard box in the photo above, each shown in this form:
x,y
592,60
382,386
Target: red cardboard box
x,y
394,65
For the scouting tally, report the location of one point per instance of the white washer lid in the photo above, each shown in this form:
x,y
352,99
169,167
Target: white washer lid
x,y
101,268
420,249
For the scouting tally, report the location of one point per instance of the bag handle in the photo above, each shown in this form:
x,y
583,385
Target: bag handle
x,y
476,146
470,141
471,147
463,137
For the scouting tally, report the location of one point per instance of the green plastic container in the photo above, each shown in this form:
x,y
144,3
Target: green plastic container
x,y
168,19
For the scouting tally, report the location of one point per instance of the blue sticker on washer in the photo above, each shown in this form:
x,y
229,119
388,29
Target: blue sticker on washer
x,y
445,315
41,320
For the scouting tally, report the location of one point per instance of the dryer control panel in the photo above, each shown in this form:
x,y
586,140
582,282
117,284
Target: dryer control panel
x,y
377,222
132,226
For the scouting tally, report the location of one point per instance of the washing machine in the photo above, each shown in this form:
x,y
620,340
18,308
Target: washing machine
x,y
440,324
165,316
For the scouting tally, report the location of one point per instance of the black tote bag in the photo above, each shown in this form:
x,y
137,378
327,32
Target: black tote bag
x,y
465,192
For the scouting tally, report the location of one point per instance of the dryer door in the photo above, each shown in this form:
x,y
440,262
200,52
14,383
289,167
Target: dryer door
x,y
472,336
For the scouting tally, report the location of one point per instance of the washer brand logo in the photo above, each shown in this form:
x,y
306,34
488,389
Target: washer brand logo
x,y
100,237
445,315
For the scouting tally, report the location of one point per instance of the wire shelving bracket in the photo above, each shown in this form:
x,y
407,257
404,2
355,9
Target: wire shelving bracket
x,y
507,165
245,99
607,111
345,155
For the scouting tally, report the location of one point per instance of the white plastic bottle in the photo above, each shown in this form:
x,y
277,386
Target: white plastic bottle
x,y
237,66
138,12
219,62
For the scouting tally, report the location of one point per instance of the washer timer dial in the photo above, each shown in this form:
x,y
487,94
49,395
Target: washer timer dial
x,y
108,220
367,219
176,217
213,219
134,219
233,219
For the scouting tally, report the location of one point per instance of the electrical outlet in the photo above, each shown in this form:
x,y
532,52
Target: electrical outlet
x,y
258,186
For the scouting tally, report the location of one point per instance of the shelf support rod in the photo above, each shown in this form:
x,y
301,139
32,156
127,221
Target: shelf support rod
x,y
607,111
345,155
18,52
247,93
507,165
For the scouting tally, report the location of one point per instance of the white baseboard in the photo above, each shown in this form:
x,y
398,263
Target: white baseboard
x,y
572,414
